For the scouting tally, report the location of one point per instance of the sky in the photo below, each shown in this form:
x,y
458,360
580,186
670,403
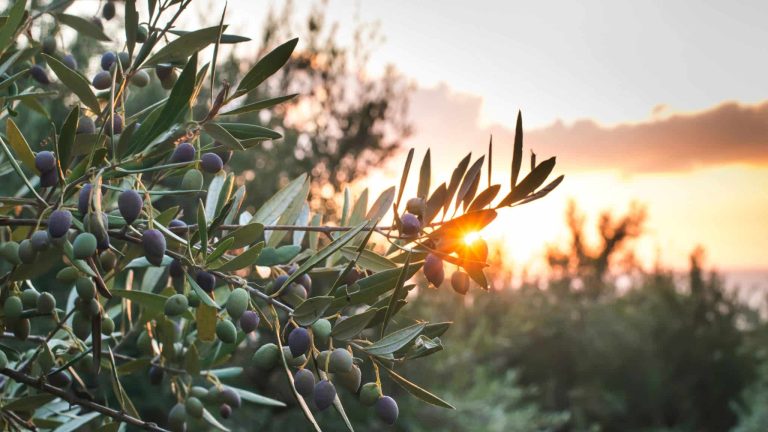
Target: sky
x,y
660,103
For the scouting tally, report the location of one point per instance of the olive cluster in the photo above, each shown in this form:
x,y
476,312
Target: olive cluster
x,y
187,415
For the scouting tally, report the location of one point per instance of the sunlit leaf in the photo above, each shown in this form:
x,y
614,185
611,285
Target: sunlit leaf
x,y
527,185
395,340
484,198
471,180
517,151
178,50
19,144
425,175
260,105
282,255
266,66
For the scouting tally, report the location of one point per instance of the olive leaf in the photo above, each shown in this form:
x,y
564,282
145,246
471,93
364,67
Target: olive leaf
x,y
266,66
394,341
75,82
83,26
311,309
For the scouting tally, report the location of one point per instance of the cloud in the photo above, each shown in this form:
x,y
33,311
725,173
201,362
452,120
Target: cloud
x,y
725,134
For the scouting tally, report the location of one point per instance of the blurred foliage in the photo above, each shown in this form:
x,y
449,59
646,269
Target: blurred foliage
x,y
667,353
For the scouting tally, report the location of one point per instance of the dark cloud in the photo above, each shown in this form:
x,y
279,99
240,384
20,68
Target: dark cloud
x,y
725,134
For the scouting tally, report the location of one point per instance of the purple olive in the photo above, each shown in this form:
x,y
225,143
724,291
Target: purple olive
x,y
130,204
39,74
410,225
433,269
59,223
304,381
211,163
154,246
184,152
325,394
49,178
107,60
299,341
45,161
206,281
386,409
102,80
249,321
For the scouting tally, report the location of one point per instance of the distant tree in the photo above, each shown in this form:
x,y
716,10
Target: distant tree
x,y
342,121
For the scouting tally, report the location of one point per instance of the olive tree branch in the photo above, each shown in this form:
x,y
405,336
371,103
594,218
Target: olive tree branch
x,y
74,400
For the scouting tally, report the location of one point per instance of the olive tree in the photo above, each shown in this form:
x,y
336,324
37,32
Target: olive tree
x,y
102,280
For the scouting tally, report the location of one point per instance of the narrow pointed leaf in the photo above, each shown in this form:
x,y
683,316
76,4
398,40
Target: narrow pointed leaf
x,y
266,66
245,259
311,309
395,340
517,151
425,175
20,145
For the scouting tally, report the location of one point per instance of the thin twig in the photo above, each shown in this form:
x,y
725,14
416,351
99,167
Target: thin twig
x,y
72,399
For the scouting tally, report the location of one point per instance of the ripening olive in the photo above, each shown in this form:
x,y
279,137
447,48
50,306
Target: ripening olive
x,y
10,252
69,61
60,379
410,225
291,360
114,125
81,325
267,356
21,329
84,245
350,380
176,305
386,409
193,299
144,342
230,397
46,303
27,253
299,341
68,274
155,375
321,331
225,411
433,269
304,381
341,361
415,206
49,178
140,79
59,223
177,223
107,325
352,276
39,74
13,307
369,393
129,203
125,59
277,283
40,240
154,246
107,260
163,71
107,60
176,270
177,418
211,163
108,11
460,282
249,321
169,82
322,360
85,287
194,407
226,331
206,281
237,303
29,298
192,180
198,392
84,198
49,45
184,152
324,394
222,151
45,161
102,80
141,34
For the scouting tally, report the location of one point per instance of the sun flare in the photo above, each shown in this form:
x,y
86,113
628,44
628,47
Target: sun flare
x,y
472,237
